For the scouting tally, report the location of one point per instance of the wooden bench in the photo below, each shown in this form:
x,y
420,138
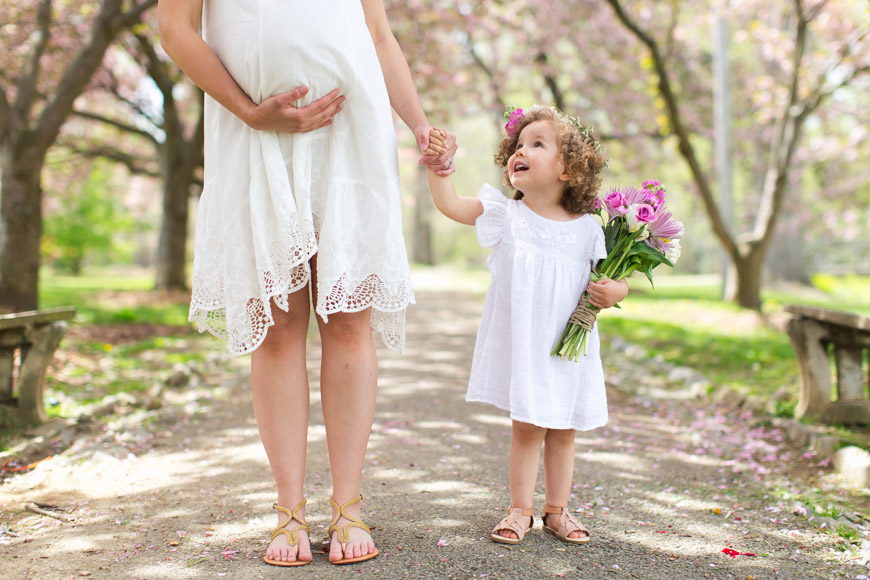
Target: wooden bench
x,y
27,343
832,350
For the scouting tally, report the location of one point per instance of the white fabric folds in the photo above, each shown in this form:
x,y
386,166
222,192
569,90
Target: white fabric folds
x,y
272,201
540,268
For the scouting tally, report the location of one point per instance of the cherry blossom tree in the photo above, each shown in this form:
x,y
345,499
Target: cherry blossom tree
x,y
167,124
49,54
809,51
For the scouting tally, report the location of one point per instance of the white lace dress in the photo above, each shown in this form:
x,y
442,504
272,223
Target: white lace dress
x,y
539,267
272,201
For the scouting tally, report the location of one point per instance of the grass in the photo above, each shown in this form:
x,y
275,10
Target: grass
x,y
106,297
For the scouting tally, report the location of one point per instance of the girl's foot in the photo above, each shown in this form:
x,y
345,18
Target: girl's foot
x,y
290,545
351,539
514,527
564,525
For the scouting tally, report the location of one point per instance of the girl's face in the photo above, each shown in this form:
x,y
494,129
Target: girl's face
x,y
537,161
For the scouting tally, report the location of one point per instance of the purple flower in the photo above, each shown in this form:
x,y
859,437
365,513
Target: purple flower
x,y
645,213
652,183
514,118
664,232
596,206
615,203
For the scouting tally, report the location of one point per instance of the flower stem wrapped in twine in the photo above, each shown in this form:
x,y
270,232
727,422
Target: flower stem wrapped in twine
x,y
575,339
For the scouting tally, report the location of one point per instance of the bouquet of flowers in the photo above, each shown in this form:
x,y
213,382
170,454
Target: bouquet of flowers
x,y
639,234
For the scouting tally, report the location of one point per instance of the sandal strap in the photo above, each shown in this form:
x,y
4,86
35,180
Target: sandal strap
x,y
568,523
512,521
292,533
344,530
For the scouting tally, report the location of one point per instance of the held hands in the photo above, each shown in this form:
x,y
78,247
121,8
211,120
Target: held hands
x,y
438,147
606,292
279,113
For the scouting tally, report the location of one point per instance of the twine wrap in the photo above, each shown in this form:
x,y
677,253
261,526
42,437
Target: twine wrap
x,y
584,315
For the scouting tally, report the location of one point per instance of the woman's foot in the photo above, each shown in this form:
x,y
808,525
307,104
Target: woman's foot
x,y
290,545
514,527
350,538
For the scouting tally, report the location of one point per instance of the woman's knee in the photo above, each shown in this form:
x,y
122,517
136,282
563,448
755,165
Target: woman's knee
x,y
347,328
288,329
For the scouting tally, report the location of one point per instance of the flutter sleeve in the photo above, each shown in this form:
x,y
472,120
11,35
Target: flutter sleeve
x,y
491,222
597,248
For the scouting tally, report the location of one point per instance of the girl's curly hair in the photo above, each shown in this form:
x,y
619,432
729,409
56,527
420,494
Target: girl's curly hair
x,y
581,158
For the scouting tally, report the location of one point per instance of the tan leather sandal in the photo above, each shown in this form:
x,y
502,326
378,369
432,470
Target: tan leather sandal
x,y
512,522
292,534
343,531
568,523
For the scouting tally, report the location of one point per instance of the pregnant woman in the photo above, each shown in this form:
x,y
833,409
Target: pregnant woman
x,y
301,207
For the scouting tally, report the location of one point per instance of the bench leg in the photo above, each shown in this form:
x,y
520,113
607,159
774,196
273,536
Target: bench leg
x,y
815,392
31,378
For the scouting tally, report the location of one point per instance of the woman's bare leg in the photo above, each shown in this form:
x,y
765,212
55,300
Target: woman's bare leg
x,y
348,391
279,389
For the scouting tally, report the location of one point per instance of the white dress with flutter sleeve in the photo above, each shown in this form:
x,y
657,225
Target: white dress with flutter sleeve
x,y
540,267
272,201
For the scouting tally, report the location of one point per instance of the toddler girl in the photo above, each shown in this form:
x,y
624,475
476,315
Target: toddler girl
x,y
545,243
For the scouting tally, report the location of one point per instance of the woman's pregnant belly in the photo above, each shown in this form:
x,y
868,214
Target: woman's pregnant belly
x,y
288,45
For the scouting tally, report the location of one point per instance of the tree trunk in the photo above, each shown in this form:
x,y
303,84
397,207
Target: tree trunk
x,y
20,227
172,246
746,269
422,228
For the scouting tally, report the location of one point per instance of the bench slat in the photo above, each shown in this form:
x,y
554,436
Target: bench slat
x,y
31,317
833,316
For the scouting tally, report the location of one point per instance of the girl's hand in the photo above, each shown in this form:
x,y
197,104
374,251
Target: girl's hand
x,y
606,292
278,113
438,147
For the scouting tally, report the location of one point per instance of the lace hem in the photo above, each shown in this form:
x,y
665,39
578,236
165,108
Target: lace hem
x,y
388,308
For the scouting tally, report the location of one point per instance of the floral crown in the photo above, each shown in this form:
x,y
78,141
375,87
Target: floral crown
x,y
515,115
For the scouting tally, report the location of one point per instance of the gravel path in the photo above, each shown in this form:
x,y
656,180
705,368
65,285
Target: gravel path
x,y
668,485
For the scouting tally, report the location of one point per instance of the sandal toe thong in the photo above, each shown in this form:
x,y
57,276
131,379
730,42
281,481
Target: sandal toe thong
x,y
292,534
344,531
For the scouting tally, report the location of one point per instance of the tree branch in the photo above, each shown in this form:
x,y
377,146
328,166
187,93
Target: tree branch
x,y
685,146
5,113
785,141
110,20
26,90
493,83
127,128
133,163
550,81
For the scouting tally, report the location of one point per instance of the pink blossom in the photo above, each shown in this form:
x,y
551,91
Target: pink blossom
x,y
514,118
645,213
615,203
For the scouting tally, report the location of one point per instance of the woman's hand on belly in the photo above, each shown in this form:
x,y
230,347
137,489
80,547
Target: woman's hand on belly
x,y
279,113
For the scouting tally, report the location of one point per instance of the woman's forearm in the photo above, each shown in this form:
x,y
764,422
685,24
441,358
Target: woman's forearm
x,y
400,85
179,35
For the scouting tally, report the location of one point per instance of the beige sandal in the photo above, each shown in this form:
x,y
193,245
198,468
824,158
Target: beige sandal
x,y
343,531
292,537
568,523
512,522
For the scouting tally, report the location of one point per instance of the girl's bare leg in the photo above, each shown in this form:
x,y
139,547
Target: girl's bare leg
x,y
525,458
559,469
279,389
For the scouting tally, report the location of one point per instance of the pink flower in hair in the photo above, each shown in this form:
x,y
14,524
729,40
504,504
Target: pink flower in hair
x,y
514,117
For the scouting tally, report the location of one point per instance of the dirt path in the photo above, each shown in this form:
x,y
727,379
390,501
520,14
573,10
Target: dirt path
x,y
668,485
